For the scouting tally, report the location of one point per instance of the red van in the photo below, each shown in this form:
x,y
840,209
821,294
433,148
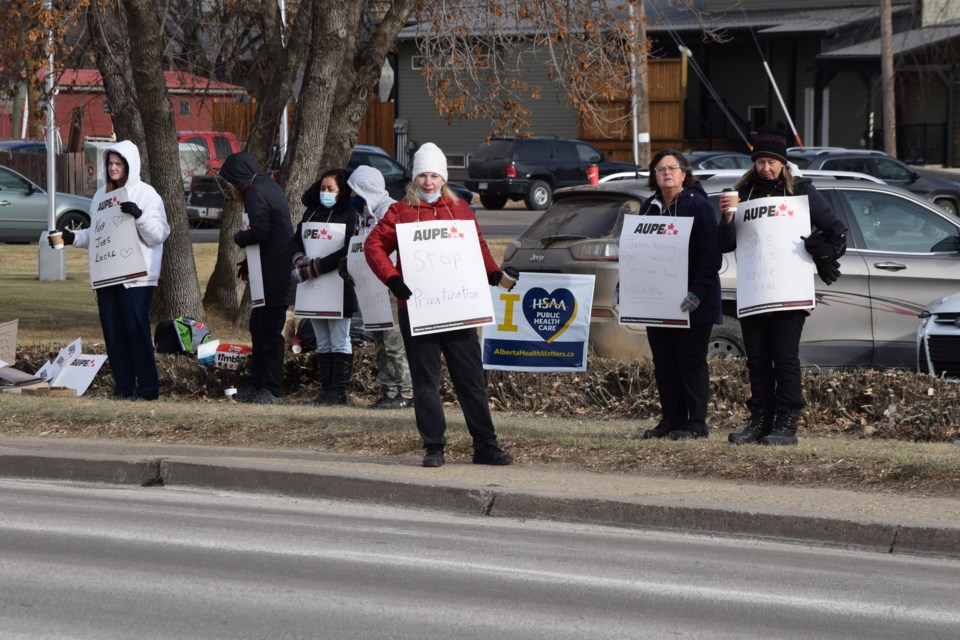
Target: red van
x,y
219,145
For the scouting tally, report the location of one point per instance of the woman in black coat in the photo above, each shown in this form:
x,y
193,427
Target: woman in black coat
x,y
680,355
772,340
328,201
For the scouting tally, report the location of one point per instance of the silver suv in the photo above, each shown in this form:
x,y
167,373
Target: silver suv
x,y
902,252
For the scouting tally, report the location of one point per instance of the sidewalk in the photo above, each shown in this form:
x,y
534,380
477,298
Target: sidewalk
x,y
884,522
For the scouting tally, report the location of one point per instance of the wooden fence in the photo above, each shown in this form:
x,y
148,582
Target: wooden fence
x,y
69,169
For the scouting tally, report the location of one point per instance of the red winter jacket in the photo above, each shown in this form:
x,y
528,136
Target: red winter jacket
x,y
382,241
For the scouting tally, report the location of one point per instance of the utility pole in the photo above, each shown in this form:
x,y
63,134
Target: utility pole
x,y
886,80
51,262
639,98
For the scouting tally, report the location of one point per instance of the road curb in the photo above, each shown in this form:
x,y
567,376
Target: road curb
x,y
470,500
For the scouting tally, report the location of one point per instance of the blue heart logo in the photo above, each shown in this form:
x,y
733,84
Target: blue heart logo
x,y
549,313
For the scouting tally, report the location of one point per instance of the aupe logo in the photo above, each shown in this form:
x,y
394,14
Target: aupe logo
x,y
317,234
656,229
112,201
771,211
433,234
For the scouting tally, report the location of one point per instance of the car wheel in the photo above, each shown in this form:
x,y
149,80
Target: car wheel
x,y
726,341
538,196
492,202
947,205
73,220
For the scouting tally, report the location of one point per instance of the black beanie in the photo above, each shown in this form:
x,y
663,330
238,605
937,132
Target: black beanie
x,y
771,141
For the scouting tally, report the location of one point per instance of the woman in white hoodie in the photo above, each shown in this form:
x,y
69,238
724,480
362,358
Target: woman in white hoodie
x,y
125,307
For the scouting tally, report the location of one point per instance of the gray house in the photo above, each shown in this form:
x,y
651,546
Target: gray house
x,y
825,61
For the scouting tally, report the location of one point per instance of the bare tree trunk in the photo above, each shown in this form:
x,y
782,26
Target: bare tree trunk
x,y
887,79
643,95
360,70
224,291
111,51
179,291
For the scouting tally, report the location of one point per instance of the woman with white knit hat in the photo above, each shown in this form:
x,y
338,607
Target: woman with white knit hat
x,y
429,198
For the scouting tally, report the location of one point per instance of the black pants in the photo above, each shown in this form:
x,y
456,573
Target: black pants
x,y
682,375
125,320
266,362
773,359
461,349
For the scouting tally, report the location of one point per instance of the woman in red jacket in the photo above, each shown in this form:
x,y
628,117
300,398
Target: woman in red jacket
x,y
429,198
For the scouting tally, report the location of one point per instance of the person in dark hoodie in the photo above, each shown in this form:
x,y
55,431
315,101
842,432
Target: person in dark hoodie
x,y
680,355
328,201
270,227
772,340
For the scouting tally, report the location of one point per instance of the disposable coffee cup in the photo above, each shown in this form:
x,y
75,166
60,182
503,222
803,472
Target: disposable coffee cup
x,y
56,239
509,278
732,198
229,392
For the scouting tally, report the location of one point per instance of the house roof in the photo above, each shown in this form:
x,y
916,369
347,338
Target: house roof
x,y
178,83
903,42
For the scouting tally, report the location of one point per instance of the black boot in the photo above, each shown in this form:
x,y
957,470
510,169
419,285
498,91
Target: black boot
x,y
761,423
340,380
324,375
662,430
784,428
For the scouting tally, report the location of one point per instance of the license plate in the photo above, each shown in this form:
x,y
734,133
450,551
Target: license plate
x,y
482,186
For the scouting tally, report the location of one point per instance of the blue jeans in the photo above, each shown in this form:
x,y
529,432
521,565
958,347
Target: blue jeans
x,y
125,321
333,336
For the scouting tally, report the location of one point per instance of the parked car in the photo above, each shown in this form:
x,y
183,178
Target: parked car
x,y
943,193
23,209
902,252
26,146
205,196
218,145
532,168
719,160
938,337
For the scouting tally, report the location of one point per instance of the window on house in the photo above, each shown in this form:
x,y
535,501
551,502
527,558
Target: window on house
x,y
106,107
184,107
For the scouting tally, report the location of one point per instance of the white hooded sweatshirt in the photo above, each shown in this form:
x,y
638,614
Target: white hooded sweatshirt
x,y
152,226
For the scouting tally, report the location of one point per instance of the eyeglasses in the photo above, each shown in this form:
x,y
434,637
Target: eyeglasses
x,y
667,167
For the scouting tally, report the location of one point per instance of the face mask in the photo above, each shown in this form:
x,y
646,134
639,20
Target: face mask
x,y
328,199
428,199
357,202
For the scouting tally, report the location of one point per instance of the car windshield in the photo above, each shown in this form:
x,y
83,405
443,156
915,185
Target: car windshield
x,y
581,218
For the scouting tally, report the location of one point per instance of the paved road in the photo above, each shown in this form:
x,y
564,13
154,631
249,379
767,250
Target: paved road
x,y
87,561
506,224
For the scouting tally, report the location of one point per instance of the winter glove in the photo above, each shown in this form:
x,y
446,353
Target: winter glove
x,y
303,273
67,236
495,278
690,302
825,247
132,209
300,260
829,271
344,272
399,288
242,271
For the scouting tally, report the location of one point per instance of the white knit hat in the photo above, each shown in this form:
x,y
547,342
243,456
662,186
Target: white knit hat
x,y
429,159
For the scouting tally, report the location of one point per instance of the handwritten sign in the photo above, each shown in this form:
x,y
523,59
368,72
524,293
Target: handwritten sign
x,y
774,271
373,297
543,324
114,254
8,340
254,269
654,254
443,267
321,297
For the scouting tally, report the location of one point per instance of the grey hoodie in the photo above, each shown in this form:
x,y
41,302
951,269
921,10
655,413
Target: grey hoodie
x,y
368,183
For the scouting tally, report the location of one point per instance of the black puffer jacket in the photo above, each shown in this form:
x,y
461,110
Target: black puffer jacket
x,y
703,258
270,227
341,213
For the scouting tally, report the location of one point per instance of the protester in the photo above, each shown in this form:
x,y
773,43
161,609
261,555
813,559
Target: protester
x,y
270,228
680,355
328,201
125,307
370,197
429,198
772,340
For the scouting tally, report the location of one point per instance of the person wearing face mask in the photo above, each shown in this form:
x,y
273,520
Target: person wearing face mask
x,y
429,198
371,199
328,201
772,340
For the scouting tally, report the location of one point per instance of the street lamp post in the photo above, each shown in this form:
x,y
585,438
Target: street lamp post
x,y
52,264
